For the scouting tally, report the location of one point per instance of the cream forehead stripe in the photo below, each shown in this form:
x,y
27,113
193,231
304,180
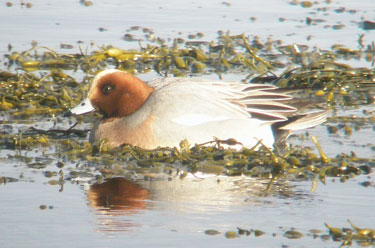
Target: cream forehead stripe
x,y
99,76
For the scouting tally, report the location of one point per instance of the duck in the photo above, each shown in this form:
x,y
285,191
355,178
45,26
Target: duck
x,y
165,111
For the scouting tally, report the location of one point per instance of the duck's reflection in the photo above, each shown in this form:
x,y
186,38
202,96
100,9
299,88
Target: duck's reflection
x,y
114,202
117,201
117,196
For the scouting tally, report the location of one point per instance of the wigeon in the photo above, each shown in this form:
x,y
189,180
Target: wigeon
x,y
166,111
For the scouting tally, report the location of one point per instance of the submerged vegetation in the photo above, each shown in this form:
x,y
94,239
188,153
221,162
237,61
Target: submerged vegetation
x,y
347,236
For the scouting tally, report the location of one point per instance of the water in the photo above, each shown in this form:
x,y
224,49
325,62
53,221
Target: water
x,y
177,213
53,23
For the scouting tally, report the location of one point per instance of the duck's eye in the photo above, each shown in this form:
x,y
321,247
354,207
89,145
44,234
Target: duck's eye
x,y
108,88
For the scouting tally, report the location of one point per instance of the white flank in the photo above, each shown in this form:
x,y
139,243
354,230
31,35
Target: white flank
x,y
197,119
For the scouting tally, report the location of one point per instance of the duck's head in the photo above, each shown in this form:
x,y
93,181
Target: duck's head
x,y
114,93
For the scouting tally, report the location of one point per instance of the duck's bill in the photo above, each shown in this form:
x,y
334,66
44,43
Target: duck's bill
x,y
82,108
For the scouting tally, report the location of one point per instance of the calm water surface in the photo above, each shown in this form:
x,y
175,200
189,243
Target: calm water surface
x,y
174,213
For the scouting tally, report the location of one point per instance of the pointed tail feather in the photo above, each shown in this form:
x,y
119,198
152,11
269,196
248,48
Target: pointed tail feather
x,y
304,121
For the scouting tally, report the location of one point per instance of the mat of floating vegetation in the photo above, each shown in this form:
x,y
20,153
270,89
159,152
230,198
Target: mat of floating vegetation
x,y
47,85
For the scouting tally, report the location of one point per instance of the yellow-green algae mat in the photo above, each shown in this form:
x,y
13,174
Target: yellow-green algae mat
x,y
43,88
